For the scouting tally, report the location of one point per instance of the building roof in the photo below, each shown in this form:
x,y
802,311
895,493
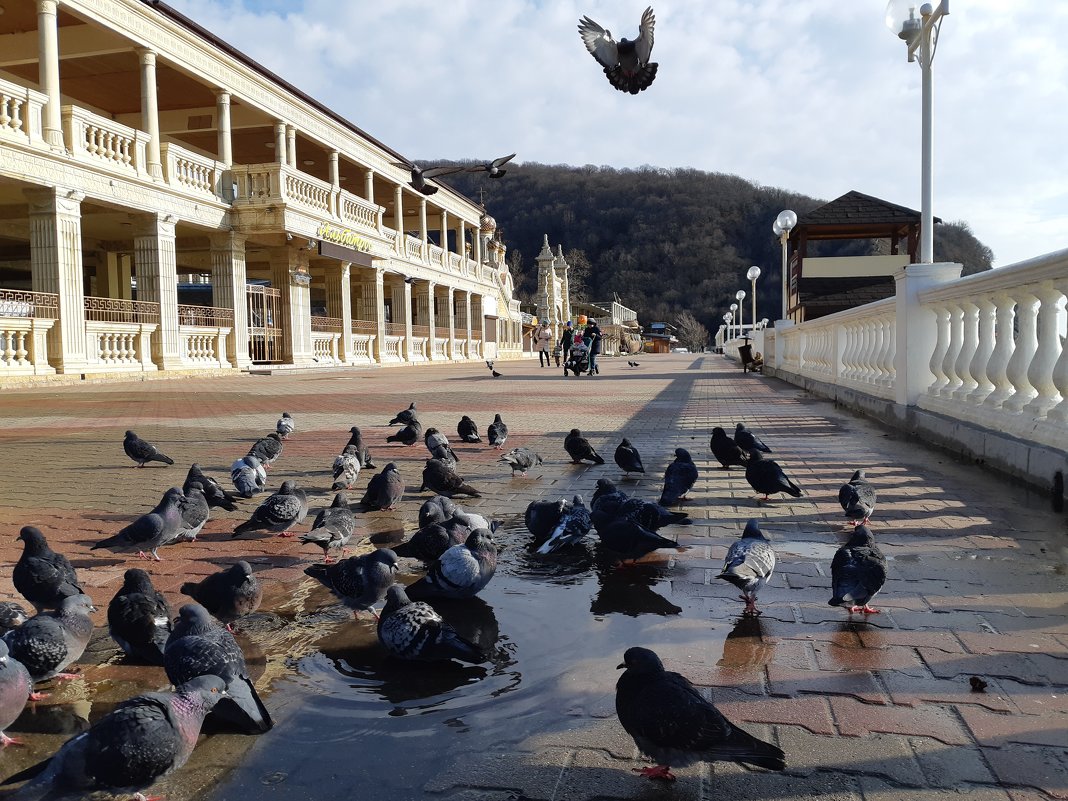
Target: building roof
x,y
859,209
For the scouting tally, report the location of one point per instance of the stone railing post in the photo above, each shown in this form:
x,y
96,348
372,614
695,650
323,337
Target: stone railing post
x,y
916,330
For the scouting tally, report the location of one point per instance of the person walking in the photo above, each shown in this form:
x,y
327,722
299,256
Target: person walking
x,y
592,335
544,339
567,339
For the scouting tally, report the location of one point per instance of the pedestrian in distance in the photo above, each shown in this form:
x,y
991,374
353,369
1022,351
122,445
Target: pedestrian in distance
x,y
567,339
592,336
543,341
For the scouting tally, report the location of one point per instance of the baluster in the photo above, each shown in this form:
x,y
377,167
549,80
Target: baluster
x,y
970,341
9,350
984,349
17,116
1059,413
956,330
875,347
1026,345
941,348
847,353
1004,346
1040,371
5,118
20,347
890,327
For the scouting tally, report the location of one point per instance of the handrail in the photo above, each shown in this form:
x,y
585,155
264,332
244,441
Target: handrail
x,y
116,310
22,303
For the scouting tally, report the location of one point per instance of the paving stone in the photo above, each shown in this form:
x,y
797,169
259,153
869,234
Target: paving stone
x,y
859,684
947,766
832,656
994,729
874,789
855,719
1045,769
1022,668
808,712
885,755
1023,643
916,690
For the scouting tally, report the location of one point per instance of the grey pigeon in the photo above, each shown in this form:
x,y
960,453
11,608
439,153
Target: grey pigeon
x,y
440,478
749,564
672,722
626,63
610,504
195,511
139,619
405,417
467,430
857,498
436,510
631,540
572,526
346,469
497,432
148,532
248,476
607,503
445,454
858,572
43,576
12,615
143,739
520,460
628,458
359,581
267,449
286,508
429,542
436,441
228,595
493,167
50,641
199,647
461,572
356,440
409,435
579,448
215,495
333,527
541,517
679,478
747,440
420,176
285,425
726,450
413,630
384,490
143,452
765,475
15,689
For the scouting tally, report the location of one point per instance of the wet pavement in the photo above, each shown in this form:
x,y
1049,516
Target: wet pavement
x,y
876,708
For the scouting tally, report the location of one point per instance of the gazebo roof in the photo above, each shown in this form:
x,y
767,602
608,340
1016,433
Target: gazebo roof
x,y
855,215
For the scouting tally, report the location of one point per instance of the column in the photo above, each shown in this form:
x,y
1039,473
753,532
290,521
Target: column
x,y
339,304
444,238
916,330
48,71
126,276
291,146
452,322
380,314
431,318
222,111
460,249
228,291
477,236
280,142
150,110
406,302
335,182
288,269
422,227
56,267
398,217
155,263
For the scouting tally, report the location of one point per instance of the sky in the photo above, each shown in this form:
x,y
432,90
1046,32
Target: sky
x,y
811,97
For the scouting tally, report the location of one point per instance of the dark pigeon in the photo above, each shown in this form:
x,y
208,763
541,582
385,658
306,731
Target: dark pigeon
x,y
541,517
444,454
15,689
436,510
139,619
610,504
858,572
493,167
12,615
384,490
267,449
200,647
356,440
333,527
520,460
679,478
428,543
215,495
631,540
572,525
280,512
143,452
579,448
248,476
230,594
346,469
672,723
435,441
497,432
857,498
440,478
150,531
765,475
607,503
409,435
628,458
749,564
495,374
413,630
419,177
726,450
285,425
461,572
626,63
359,581
195,511
43,576
50,641
747,440
409,415
467,430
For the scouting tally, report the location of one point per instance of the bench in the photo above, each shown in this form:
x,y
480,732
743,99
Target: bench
x,y
749,362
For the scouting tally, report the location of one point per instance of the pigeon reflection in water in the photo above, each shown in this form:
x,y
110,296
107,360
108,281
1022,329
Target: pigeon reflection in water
x,y
630,592
745,646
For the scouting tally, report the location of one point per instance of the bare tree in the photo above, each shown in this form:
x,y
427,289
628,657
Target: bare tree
x,y
690,332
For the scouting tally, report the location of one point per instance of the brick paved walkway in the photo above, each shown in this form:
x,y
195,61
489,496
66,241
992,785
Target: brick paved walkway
x,y
873,709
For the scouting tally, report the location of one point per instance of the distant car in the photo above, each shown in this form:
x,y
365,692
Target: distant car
x,y
680,350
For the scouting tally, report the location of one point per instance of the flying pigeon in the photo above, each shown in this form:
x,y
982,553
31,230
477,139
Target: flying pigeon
x,y
285,425
229,594
858,572
494,167
280,512
626,63
747,440
631,540
765,475
12,615
497,432
15,689
579,448
436,510
413,630
461,572
356,440
43,576
520,460
857,498
628,458
267,449
467,430
572,523
420,176
200,647
150,531
215,495
50,641
679,478
443,480
346,469
672,722
438,445
409,435
384,489
726,450
405,417
749,564
195,510
359,581
139,619
142,452
333,527
248,475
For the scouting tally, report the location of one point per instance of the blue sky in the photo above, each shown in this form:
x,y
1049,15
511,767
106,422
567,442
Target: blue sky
x,y
813,97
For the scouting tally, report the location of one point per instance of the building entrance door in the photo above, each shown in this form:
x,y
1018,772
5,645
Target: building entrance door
x,y
264,333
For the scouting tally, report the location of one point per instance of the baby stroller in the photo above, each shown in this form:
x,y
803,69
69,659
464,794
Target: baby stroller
x,y
578,360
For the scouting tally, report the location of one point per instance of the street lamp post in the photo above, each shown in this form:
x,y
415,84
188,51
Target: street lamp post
x,y
734,316
729,317
782,227
740,295
753,273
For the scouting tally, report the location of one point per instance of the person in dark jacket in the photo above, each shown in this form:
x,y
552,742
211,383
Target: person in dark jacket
x,y
592,335
567,339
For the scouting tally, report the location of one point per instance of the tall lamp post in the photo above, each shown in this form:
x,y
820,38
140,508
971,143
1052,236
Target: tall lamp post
x,y
921,36
728,317
782,227
734,316
740,295
753,273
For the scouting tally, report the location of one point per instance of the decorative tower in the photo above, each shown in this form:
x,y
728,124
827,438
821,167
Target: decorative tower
x,y
547,300
565,290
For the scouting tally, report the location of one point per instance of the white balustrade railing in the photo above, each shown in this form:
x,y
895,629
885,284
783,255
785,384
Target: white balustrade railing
x,y
362,350
455,262
204,346
326,347
414,247
116,147
24,346
393,348
458,347
190,172
304,190
360,212
441,348
419,352
120,347
435,254
20,113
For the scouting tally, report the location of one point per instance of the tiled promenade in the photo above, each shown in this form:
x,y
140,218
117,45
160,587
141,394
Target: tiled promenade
x,y
874,709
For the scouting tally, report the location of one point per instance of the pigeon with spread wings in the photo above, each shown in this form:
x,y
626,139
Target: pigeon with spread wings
x,y
420,176
626,63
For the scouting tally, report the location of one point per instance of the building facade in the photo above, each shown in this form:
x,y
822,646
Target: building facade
x,y
167,204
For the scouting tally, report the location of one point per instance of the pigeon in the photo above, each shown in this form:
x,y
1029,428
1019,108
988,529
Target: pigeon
x,y
489,363
520,460
267,449
607,503
195,510
215,495
626,63
229,594
248,475
628,458
572,525
858,572
495,374
579,448
143,452
359,581
150,531
634,364
420,176
50,641
43,576
671,721
765,475
346,469
461,572
356,440
467,430
977,684
405,417
139,619
679,478
285,425
429,542
541,517
333,527
200,647
409,435
610,504
413,630
747,440
444,454
141,740
440,478
857,498
436,510
494,170
438,445
280,512
12,615
749,564
726,450
631,540
497,432
383,490
15,689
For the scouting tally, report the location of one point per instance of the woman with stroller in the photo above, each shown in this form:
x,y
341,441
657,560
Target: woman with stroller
x,y
567,339
592,337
